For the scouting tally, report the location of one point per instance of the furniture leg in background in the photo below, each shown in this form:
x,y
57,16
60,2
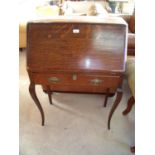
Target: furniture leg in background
x,y
106,98
49,92
131,102
132,148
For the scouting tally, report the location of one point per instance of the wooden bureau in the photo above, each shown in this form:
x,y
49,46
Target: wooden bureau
x,y
81,55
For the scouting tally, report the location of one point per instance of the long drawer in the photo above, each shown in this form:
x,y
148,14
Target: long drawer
x,y
77,82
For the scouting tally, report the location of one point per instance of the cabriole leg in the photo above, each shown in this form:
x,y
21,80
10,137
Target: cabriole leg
x,y
132,148
49,92
34,97
117,101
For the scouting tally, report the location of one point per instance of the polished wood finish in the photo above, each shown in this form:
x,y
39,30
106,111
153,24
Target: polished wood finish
x,y
97,47
131,102
83,55
117,101
50,97
132,148
35,98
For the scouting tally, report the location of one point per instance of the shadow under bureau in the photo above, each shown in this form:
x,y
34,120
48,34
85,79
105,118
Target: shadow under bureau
x,y
79,54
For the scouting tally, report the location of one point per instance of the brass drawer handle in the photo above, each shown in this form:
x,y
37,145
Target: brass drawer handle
x,y
54,79
96,82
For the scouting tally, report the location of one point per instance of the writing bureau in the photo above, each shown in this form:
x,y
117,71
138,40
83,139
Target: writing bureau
x,y
81,55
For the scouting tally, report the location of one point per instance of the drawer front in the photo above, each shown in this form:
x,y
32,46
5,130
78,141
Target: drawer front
x,y
78,82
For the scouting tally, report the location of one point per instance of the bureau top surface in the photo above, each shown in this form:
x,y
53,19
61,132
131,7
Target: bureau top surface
x,y
72,45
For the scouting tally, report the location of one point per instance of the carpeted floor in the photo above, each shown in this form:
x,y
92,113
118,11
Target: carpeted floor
x,y
75,125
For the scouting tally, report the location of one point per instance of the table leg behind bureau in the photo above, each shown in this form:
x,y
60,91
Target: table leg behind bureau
x,y
49,92
35,98
114,106
106,98
50,96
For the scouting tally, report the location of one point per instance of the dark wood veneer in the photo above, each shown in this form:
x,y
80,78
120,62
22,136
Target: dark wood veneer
x,y
86,56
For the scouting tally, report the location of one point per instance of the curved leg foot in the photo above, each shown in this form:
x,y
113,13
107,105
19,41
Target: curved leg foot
x,y
131,102
117,101
106,98
34,97
132,148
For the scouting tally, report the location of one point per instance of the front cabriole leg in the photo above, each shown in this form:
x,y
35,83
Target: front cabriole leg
x,y
34,97
117,101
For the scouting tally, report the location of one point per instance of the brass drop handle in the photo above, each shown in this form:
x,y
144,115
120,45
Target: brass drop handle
x,y
54,79
96,82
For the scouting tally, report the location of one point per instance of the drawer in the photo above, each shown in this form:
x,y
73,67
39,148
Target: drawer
x,y
99,80
78,82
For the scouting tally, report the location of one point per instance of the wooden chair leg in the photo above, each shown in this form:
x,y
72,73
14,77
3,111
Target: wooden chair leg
x,y
132,148
106,98
131,102
114,106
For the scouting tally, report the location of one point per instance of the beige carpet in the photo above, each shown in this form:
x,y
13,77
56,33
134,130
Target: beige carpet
x,y
75,125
